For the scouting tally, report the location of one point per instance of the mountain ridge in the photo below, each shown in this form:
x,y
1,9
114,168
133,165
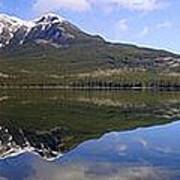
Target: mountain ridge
x,y
55,18
14,30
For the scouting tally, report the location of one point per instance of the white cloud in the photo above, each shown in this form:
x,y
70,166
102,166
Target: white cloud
x,y
42,6
122,25
143,142
82,5
145,31
3,178
86,171
138,5
161,26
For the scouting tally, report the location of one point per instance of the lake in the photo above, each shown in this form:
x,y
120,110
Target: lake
x,y
89,135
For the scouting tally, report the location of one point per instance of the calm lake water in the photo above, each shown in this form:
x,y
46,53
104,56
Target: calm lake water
x,y
78,135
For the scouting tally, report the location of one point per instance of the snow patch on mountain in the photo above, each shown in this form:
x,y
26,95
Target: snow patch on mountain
x,y
1,28
49,18
9,25
13,22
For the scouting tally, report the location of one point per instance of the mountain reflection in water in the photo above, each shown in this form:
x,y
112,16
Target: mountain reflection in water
x,y
145,153
36,126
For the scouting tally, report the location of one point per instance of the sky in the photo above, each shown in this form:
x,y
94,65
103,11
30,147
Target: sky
x,y
151,23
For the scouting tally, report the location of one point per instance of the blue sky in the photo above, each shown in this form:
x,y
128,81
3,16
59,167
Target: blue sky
x,y
153,23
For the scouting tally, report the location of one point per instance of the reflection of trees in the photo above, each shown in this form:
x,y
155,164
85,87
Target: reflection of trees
x,y
99,79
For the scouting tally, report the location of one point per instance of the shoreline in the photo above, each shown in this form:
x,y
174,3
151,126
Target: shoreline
x,y
90,88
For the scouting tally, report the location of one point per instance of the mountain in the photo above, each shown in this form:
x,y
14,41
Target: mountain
x,y
52,52
49,29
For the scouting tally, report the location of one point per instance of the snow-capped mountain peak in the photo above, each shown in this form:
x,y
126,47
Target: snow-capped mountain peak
x,y
9,25
49,29
49,18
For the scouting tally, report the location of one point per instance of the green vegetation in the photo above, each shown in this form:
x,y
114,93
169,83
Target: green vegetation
x,y
92,64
